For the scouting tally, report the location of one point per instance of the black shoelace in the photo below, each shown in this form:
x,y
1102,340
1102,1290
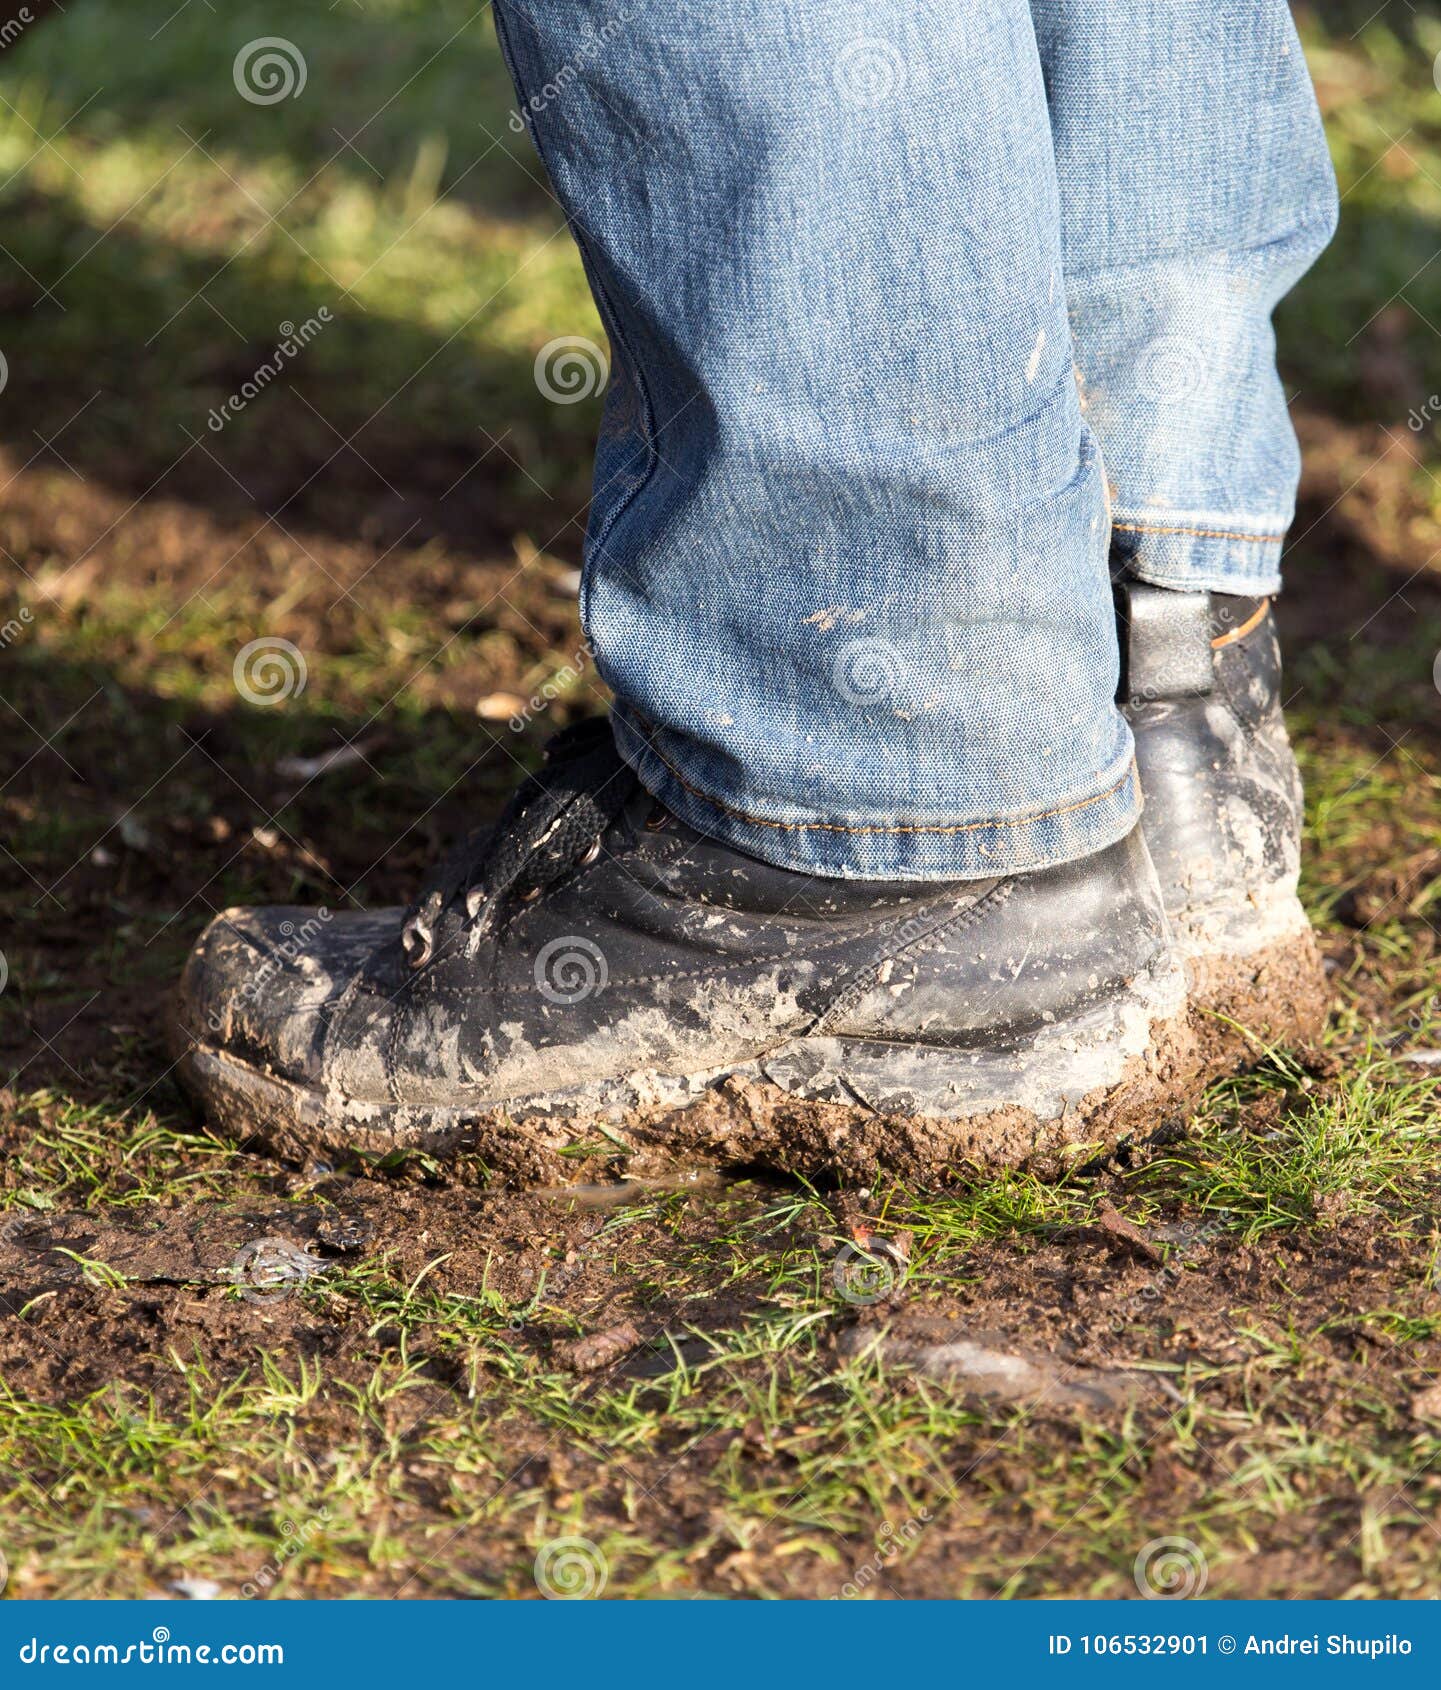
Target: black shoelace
x,y
554,823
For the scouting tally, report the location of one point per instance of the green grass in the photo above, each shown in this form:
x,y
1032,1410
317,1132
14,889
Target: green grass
x,y
399,1463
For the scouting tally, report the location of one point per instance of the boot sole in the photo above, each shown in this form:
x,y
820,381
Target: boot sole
x,y
1255,976
815,1106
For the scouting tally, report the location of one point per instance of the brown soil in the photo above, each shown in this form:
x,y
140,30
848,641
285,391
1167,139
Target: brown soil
x,y
1083,1325
1278,996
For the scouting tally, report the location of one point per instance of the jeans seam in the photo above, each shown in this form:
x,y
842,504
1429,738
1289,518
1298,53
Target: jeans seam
x,y
918,827
1198,533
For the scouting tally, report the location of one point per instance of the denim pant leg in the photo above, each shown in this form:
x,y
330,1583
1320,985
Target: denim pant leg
x,y
1196,188
846,566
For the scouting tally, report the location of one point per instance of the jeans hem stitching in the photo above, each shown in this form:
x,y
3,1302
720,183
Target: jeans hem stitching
x,y
843,827
1198,533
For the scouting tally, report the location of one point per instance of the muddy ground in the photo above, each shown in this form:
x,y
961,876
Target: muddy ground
x,y
1048,1336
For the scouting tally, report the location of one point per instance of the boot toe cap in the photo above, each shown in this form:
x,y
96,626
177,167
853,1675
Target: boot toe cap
x,y
260,983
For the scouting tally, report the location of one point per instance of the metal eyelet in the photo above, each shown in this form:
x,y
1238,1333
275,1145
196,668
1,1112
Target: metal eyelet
x,y
417,937
657,819
591,854
418,944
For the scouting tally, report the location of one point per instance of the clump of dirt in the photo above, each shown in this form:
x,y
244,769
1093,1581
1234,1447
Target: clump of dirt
x,y
1277,997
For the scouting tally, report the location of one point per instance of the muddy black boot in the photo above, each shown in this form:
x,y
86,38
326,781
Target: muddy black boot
x,y
592,976
1201,687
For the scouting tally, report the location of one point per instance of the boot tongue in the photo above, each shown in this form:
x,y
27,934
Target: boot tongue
x,y
555,817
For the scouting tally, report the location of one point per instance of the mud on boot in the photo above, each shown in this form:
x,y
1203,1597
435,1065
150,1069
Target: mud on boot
x,y
595,972
1201,687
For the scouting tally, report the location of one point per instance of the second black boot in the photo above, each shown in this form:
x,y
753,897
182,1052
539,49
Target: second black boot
x,y
1201,687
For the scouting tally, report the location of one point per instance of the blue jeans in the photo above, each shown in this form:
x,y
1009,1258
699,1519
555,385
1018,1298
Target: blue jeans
x,y
917,313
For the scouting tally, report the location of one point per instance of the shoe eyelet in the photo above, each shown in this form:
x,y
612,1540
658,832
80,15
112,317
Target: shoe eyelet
x,y
658,819
418,945
591,854
530,896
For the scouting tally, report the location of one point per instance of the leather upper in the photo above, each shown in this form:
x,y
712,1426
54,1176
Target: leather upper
x,y
1201,687
654,947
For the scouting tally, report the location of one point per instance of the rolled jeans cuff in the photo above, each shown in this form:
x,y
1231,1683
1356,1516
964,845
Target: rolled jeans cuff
x,y
1200,551
1095,815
